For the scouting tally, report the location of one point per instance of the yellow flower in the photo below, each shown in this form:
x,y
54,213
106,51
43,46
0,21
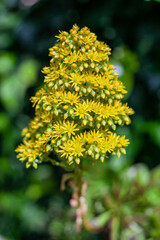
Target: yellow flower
x,y
76,79
79,106
72,148
65,150
69,128
94,136
77,147
61,128
73,57
83,109
70,98
58,130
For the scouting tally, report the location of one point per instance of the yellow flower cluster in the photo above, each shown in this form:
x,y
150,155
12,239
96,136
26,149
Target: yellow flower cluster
x,y
77,110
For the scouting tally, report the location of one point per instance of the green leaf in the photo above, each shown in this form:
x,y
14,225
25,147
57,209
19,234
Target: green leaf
x,y
7,62
28,72
4,121
115,228
13,87
126,63
102,219
153,128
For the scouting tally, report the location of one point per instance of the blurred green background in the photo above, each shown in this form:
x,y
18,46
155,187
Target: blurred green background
x,y
31,204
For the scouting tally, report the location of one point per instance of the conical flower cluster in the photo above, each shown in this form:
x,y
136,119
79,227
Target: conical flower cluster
x,y
79,106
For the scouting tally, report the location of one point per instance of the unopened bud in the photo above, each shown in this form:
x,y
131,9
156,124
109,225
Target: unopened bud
x,y
28,135
119,121
84,122
65,107
107,92
89,90
110,122
64,138
105,68
77,89
97,69
28,165
48,108
77,160
84,90
50,84
86,65
74,65
98,125
118,154
99,119
92,65
70,158
56,112
89,152
123,150
93,93
114,127
71,111
81,68
96,156
67,84
87,47
30,160
48,148
110,100
103,96
96,150
103,122
66,115
102,159
58,142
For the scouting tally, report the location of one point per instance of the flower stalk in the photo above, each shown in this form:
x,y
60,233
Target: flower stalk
x,y
77,111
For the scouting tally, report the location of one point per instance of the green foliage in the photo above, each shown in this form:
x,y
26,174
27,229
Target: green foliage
x,y
126,63
127,203
15,80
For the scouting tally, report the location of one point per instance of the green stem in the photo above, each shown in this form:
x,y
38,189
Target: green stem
x,y
54,162
79,181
